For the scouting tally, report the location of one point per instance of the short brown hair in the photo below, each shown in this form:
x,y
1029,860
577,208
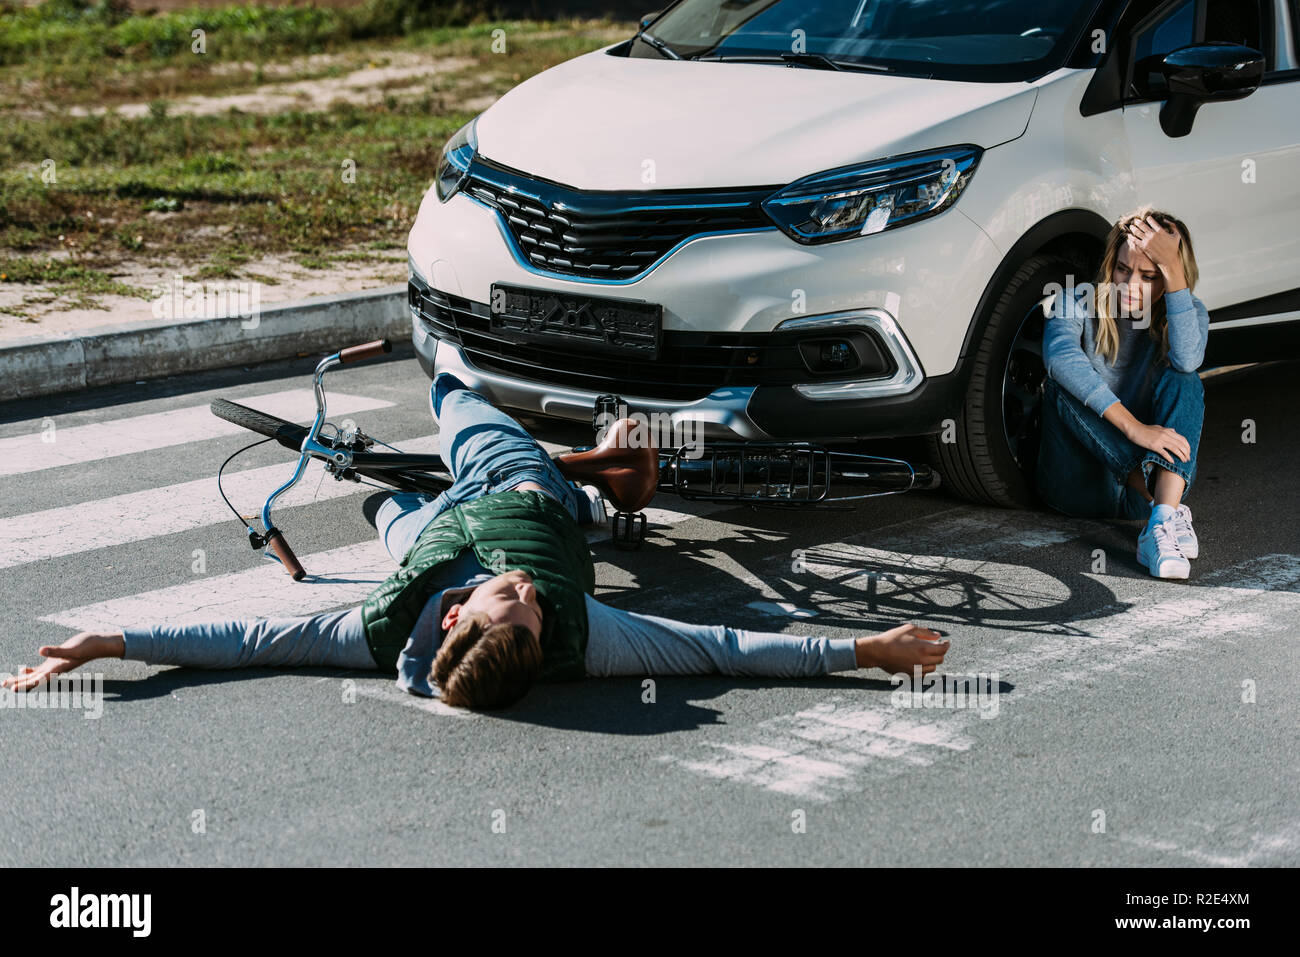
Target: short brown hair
x,y
482,665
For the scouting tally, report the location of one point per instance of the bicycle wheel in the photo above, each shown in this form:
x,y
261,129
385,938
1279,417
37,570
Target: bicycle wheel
x,y
290,435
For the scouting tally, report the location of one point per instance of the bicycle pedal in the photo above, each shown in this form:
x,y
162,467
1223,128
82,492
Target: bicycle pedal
x,y
628,530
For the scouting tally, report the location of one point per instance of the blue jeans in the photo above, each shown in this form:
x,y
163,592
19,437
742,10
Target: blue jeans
x,y
485,450
1084,461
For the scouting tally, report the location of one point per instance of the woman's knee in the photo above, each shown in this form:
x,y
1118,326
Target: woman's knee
x,y
1185,385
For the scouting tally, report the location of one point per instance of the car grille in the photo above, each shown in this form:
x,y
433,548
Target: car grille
x,y
607,235
690,364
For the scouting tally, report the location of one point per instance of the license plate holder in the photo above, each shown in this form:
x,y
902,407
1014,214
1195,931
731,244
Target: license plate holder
x,y
614,327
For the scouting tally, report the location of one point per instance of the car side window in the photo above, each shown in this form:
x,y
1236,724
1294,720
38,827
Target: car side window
x,y
1248,22
1175,29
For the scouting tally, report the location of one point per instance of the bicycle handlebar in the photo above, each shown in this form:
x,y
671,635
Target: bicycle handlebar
x,y
275,541
368,350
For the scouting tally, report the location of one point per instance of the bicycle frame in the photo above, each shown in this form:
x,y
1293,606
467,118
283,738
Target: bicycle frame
x,y
757,474
803,476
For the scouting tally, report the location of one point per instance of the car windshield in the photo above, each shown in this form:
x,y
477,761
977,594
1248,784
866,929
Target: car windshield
x,y
986,40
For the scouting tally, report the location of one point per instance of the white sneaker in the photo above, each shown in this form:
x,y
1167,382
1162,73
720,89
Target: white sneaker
x,y
591,505
1185,534
1159,553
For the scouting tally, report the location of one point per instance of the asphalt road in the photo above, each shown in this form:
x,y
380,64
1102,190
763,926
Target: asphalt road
x,y
1117,694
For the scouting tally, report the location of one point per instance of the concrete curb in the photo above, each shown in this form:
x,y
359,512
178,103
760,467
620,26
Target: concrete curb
x,y
150,350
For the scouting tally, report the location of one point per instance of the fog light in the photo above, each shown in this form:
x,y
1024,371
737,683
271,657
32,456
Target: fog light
x,y
830,356
835,355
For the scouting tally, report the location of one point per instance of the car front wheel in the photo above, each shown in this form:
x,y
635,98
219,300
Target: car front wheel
x,y
988,454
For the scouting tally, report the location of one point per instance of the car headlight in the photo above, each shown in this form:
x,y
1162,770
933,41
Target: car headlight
x,y
453,165
868,198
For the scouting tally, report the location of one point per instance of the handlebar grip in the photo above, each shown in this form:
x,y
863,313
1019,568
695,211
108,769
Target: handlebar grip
x,y
368,350
288,559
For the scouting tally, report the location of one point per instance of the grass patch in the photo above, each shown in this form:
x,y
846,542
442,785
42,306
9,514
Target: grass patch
x,y
77,284
220,191
79,31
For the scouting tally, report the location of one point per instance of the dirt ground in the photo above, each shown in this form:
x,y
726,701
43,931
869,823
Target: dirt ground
x,y
405,74
56,318
373,76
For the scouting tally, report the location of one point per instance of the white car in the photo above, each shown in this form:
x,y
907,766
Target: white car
x,y
837,221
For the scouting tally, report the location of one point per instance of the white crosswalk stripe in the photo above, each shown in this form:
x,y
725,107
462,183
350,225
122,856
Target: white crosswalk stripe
x,y
47,449
834,749
135,516
338,577
953,565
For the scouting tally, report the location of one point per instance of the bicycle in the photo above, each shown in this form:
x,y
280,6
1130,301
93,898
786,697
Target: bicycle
x,y
628,473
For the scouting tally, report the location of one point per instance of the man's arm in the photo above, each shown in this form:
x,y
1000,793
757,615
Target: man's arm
x,y
334,639
626,643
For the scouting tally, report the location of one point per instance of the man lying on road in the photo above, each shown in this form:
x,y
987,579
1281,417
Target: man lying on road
x,y
452,629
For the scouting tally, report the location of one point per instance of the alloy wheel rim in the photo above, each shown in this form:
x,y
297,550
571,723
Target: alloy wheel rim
x,y
1022,384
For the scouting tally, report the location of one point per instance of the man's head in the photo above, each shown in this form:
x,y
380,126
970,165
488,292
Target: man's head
x,y
492,652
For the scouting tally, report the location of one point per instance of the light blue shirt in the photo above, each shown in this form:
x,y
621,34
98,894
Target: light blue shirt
x,y
1071,357
618,642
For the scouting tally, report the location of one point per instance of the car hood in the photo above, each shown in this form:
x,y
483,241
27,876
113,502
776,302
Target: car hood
x,y
614,123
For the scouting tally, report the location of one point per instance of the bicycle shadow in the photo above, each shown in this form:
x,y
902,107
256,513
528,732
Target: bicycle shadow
x,y
856,586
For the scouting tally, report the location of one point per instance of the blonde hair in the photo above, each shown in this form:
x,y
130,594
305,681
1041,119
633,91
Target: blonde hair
x,y
1107,331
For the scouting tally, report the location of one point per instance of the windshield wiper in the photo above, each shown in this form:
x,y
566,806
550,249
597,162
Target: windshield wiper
x,y
817,61
658,44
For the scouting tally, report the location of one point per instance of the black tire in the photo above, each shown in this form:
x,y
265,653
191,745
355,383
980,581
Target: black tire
x,y
290,435
995,450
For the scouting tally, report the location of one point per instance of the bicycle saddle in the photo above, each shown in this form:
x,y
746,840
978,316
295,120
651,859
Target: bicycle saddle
x,y
628,475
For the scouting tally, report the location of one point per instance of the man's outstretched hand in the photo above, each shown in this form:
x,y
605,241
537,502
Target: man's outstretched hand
x,y
73,653
898,650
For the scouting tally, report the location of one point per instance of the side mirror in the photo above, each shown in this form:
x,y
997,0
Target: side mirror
x,y
1206,72
649,18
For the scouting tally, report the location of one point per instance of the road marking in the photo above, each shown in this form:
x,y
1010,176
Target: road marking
x,y
781,609
824,748
338,577
795,755
136,516
391,694
1280,848
143,433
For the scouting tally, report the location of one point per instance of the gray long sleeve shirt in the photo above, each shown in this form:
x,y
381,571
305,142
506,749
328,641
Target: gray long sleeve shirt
x,y
618,642
1070,351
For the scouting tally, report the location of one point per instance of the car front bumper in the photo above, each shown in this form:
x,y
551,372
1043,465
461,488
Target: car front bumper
x,y
728,413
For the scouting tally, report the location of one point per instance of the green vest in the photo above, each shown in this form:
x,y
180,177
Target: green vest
x,y
506,530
